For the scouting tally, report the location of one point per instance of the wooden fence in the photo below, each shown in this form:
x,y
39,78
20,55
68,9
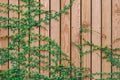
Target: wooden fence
x,y
102,16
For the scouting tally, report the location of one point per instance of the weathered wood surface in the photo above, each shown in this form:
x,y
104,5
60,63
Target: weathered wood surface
x,y
102,16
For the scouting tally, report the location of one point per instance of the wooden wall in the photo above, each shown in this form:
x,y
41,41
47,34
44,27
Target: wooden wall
x,y
102,16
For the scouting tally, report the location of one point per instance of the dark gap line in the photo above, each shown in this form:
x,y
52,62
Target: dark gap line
x,y
101,39
80,27
71,40
18,30
39,36
29,36
111,33
18,23
81,39
50,37
8,39
60,31
91,40
8,34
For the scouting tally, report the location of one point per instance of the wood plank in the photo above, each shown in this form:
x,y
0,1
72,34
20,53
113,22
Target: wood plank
x,y
96,26
46,33
75,34
106,32
86,13
35,30
65,32
3,32
115,27
25,38
55,25
12,14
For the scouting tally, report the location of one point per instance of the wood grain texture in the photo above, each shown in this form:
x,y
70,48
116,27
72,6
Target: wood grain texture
x,y
86,13
35,30
55,25
3,32
25,38
115,27
13,14
106,33
75,14
46,33
96,26
75,33
65,32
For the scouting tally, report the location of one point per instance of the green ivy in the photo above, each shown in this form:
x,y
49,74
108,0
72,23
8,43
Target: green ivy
x,y
26,63
110,54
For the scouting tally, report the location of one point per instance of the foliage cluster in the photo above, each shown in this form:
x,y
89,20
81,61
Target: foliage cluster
x,y
27,61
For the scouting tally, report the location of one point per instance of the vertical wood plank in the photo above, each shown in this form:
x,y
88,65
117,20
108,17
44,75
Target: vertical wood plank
x,y
35,30
115,27
25,38
86,35
12,14
3,32
106,31
55,25
75,33
46,33
65,32
96,26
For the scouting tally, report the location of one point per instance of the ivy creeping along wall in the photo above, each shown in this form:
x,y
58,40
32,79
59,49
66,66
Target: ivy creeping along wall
x,y
59,40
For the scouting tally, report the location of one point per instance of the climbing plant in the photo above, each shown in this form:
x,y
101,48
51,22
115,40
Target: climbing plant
x,y
110,54
26,61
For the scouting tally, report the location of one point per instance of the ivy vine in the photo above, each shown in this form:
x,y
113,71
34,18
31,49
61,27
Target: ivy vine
x,y
26,63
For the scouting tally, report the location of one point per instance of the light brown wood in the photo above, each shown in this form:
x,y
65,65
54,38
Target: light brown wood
x,y
65,35
35,43
96,26
115,27
46,33
65,32
26,38
106,32
86,13
75,14
4,32
55,25
12,14
75,33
